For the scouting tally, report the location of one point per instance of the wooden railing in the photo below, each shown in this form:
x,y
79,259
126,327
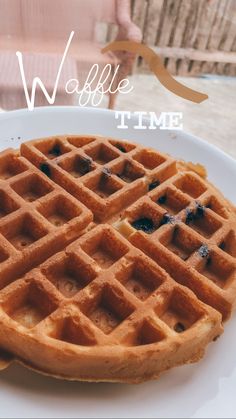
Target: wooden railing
x,y
193,36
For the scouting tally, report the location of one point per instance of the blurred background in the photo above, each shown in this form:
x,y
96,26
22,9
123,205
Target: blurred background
x,y
196,40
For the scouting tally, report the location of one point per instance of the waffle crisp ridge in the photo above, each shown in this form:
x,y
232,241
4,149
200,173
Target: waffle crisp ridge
x,y
117,262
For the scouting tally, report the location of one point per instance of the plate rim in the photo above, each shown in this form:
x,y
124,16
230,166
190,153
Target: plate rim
x,y
52,109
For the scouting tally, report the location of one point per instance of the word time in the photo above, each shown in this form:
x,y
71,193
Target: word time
x,y
149,120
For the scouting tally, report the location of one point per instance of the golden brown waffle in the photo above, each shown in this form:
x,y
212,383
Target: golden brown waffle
x,y
149,278
37,217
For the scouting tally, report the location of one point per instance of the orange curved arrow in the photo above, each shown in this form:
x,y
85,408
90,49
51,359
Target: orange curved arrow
x,y
157,67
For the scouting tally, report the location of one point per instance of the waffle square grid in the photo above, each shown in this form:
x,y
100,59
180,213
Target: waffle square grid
x,y
107,244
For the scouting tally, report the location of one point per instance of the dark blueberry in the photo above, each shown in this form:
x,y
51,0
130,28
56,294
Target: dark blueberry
x,y
144,224
179,327
56,150
44,167
222,245
190,216
162,200
120,147
204,251
153,185
200,210
85,165
168,219
208,261
106,172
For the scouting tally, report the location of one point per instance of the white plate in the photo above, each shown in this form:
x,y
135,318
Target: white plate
x,y
205,389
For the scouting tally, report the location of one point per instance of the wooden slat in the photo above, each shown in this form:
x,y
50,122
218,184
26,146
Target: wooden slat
x,y
139,13
171,8
153,17
177,32
191,34
166,34
151,24
218,28
232,68
186,25
194,54
202,34
207,18
229,34
189,64
139,16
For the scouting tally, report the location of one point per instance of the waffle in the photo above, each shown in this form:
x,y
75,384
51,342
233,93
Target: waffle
x,y
117,261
